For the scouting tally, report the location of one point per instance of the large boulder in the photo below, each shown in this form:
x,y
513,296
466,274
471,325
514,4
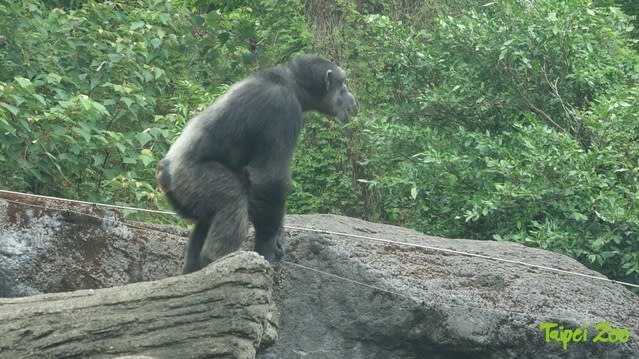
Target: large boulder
x,y
350,297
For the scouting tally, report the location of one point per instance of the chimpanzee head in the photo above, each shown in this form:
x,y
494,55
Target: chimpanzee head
x,y
325,83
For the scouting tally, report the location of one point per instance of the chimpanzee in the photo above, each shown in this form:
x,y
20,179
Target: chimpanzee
x,y
230,165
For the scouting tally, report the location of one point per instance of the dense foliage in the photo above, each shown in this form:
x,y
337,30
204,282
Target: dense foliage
x,y
511,120
506,124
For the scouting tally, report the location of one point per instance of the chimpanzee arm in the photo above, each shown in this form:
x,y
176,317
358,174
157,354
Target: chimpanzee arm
x,y
269,185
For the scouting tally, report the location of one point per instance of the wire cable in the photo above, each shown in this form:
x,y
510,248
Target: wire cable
x,y
357,236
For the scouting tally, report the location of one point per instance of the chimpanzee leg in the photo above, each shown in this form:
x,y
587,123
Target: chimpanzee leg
x,y
194,247
216,198
228,230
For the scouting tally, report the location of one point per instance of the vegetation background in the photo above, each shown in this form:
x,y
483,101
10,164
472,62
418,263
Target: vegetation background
x,y
510,120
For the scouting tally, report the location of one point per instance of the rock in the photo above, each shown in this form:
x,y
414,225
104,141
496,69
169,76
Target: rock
x,y
433,304
53,246
222,311
50,246
339,296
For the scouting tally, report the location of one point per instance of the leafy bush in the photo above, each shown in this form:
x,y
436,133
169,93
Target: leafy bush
x,y
513,120
79,96
92,95
524,130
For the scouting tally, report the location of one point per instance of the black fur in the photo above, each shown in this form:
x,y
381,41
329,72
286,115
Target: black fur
x,y
231,163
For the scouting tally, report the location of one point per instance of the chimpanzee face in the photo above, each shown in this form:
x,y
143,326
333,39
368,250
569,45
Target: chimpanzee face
x,y
339,101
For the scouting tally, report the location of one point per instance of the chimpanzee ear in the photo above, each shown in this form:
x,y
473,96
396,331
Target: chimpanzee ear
x,y
328,80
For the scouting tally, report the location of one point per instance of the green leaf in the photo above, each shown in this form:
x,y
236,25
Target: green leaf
x,y
129,160
143,138
6,126
83,131
148,76
40,99
24,83
14,110
158,72
146,156
59,130
197,20
579,217
101,109
120,147
413,193
223,37
127,100
98,160
136,25
53,78
19,100
155,43
86,103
